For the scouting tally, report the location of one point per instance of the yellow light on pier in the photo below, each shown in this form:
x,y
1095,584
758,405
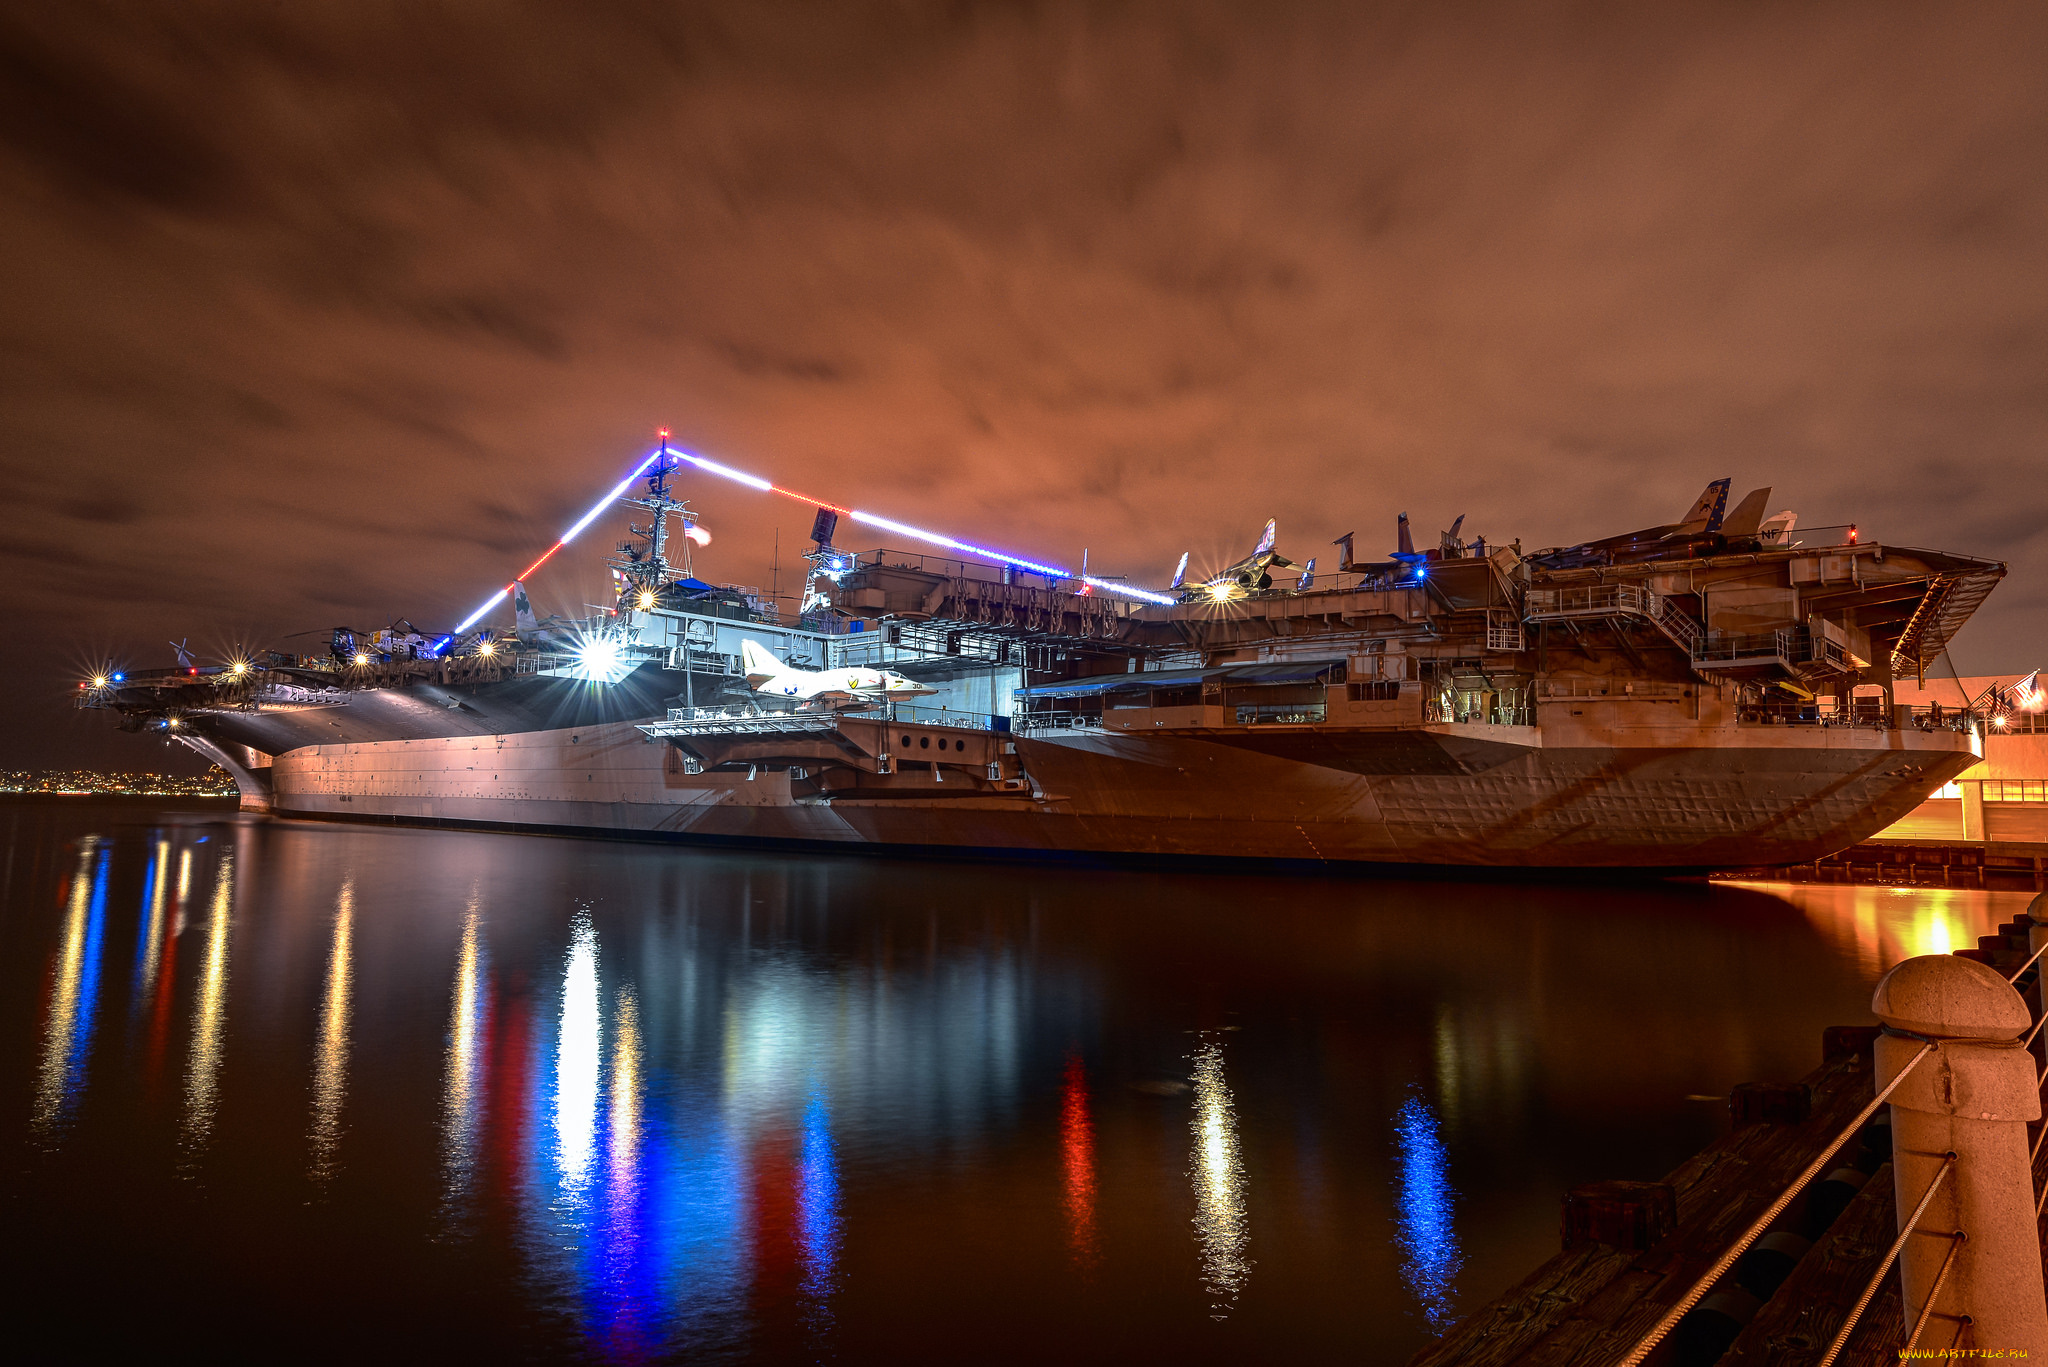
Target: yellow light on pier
x,y
239,668
646,600
487,649
361,658
99,681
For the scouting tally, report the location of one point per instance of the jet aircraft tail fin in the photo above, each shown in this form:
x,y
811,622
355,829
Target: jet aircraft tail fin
x,y
1405,543
1748,516
759,662
1271,534
522,609
1308,576
1777,528
1706,513
1180,572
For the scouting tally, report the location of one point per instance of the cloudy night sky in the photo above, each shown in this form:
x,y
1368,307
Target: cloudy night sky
x,y
325,314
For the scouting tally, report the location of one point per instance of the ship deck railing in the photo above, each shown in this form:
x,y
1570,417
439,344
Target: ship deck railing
x,y
752,719
1786,648
1610,602
736,720
1901,717
1032,723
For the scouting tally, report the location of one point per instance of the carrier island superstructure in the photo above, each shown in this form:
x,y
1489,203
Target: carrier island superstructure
x,y
1715,692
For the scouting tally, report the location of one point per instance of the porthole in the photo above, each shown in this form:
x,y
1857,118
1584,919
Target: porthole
x,y
924,742
906,742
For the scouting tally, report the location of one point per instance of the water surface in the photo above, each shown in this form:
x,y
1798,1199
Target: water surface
x,y
314,1091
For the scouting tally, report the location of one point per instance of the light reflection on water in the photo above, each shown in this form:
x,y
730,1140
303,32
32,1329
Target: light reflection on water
x,y
202,1071
1425,1200
1875,927
330,1069
1077,1155
652,1106
74,990
463,1078
150,943
1218,1172
578,1041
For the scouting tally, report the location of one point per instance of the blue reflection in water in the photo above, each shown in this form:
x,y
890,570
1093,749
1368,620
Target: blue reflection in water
x,y
646,1248
818,1202
622,1301
74,992
1424,1201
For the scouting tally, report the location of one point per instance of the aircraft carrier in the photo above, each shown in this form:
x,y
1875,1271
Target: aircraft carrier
x,y
1715,692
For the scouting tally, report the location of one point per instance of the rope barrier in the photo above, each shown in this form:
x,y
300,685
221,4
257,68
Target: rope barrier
x,y
1736,1250
1870,1289
1955,1242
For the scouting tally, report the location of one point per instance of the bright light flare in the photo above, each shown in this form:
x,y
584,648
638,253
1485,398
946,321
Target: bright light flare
x,y
600,660
100,681
362,658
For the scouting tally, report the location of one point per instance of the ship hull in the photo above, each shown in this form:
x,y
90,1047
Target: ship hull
x,y
1452,794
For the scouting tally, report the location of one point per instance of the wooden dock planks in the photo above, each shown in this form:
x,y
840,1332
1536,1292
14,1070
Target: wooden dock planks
x,y
1590,1305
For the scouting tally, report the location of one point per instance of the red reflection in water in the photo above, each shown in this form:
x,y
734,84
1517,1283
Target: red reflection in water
x,y
167,973
505,1099
1077,1150
777,1224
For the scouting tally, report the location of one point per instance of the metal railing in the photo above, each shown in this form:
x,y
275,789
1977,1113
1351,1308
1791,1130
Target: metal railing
x,y
1595,601
941,716
1822,712
1787,645
1027,723
1713,1274
1911,1225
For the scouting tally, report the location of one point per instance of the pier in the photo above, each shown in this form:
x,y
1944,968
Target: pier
x,y
1890,1202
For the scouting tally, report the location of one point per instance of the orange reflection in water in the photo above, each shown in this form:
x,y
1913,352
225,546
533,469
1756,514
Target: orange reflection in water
x,y
153,927
330,1068
160,1019
209,1019
1876,927
1077,1153
60,1044
463,1089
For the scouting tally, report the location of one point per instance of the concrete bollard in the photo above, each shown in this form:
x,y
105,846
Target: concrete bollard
x,y
1973,1096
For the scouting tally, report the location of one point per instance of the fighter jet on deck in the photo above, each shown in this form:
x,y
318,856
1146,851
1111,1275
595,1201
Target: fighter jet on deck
x,y
1248,576
1709,528
824,690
